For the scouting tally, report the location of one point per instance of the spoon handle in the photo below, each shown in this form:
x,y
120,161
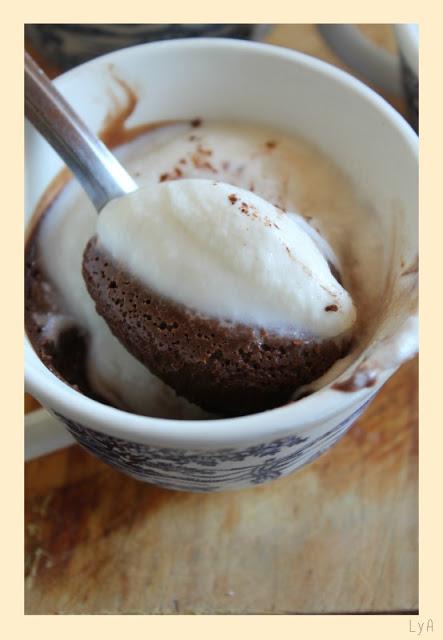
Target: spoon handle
x,y
99,172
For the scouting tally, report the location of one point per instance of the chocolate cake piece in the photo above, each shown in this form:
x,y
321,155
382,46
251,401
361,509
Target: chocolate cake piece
x,y
225,368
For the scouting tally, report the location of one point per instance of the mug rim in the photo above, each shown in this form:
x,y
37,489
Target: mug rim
x,y
322,404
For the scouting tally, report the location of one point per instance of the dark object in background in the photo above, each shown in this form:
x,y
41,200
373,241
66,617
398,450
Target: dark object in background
x,y
410,83
68,45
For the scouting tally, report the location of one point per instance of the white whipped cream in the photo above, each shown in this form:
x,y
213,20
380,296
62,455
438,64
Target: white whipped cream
x,y
226,253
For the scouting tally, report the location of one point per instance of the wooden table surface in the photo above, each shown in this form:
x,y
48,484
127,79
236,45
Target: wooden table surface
x,y
340,535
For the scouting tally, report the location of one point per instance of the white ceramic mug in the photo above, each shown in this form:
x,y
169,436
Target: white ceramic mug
x,y
392,74
226,80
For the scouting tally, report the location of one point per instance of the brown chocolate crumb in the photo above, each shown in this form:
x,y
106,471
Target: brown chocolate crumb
x,y
196,122
331,307
176,173
252,187
182,161
199,163
203,151
232,198
271,144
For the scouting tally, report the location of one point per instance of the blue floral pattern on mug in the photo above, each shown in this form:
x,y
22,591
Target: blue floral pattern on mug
x,y
214,470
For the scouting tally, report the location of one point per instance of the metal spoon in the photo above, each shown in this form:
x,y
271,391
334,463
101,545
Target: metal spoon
x,y
99,172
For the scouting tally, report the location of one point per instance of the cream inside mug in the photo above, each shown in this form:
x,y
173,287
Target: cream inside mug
x,y
225,80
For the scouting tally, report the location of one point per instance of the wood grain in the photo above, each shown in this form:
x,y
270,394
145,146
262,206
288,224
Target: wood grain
x,y
341,535
338,536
